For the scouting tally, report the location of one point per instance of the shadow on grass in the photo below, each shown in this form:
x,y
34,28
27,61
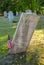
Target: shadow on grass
x,y
20,59
34,60
25,58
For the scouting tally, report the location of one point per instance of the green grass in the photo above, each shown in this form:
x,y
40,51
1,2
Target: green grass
x,y
6,28
37,44
35,54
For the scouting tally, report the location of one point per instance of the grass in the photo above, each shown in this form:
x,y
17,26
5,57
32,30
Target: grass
x,y
6,28
36,45
35,51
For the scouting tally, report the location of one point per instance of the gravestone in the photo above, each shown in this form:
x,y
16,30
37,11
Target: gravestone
x,y
10,16
5,14
24,32
17,13
20,13
29,11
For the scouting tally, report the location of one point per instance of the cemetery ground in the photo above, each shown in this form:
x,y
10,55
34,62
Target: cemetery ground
x,y
35,52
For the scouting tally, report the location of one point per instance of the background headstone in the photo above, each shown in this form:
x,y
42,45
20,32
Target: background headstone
x,y
5,14
28,11
16,13
20,13
10,16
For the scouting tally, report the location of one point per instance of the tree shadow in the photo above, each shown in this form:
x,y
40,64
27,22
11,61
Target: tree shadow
x,y
20,58
34,58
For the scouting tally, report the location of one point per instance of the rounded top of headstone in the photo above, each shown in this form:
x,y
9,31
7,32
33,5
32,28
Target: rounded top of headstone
x,y
28,12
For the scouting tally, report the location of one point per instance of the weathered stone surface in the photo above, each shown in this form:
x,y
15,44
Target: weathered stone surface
x,y
24,32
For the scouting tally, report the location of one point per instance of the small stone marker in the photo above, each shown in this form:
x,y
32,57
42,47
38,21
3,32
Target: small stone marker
x,y
5,14
29,11
10,16
16,13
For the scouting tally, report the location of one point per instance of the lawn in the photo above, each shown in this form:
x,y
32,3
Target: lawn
x,y
37,44
6,28
35,51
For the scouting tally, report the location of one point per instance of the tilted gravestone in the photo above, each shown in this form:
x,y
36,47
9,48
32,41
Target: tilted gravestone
x,y
24,32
